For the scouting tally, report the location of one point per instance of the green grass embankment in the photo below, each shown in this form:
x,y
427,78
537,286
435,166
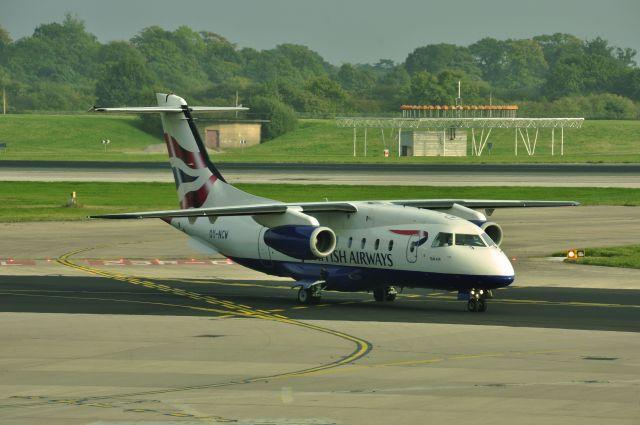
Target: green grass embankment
x,y
323,141
75,137
38,201
78,137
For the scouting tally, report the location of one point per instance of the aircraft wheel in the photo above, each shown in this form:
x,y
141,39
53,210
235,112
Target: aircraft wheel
x,y
390,294
304,296
387,293
482,306
309,296
379,294
472,305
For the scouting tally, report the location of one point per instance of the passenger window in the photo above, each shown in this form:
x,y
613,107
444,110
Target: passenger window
x,y
363,243
350,242
443,239
390,245
377,244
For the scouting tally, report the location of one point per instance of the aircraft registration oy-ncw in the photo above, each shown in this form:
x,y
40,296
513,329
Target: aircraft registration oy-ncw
x,y
373,246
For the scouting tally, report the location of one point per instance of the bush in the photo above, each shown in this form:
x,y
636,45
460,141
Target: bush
x,y
282,118
595,106
151,124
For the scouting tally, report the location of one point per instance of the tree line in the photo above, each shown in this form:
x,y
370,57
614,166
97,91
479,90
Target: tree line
x,y
64,67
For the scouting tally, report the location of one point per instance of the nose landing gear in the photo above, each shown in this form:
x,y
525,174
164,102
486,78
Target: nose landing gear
x,y
474,305
477,300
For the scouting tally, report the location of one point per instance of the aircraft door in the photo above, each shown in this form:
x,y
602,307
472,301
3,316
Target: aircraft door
x,y
416,240
412,249
264,251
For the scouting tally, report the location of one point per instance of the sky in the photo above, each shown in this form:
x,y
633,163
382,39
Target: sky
x,y
354,31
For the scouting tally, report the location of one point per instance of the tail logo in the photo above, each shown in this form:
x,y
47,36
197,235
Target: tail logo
x,y
197,198
193,160
194,181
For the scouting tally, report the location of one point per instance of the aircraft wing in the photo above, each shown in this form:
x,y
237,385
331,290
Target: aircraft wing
x,y
257,209
435,204
342,207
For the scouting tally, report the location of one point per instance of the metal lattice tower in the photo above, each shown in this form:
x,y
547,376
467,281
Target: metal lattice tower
x,y
521,126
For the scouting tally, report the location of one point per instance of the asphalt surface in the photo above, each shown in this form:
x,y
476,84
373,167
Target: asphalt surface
x,y
214,344
566,175
87,342
473,168
562,308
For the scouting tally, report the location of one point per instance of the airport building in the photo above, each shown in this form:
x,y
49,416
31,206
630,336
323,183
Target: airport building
x,y
230,135
450,141
447,142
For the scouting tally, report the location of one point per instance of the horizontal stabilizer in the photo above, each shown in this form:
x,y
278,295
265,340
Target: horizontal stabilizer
x,y
159,109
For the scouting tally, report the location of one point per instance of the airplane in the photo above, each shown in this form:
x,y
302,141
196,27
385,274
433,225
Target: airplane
x,y
375,246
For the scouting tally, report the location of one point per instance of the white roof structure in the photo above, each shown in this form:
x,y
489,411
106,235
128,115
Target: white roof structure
x,y
465,123
521,126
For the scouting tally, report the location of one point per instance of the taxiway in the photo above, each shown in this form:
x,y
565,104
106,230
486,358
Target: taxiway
x,y
566,175
99,326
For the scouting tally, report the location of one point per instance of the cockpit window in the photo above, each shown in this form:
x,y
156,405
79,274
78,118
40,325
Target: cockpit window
x,y
469,240
443,239
487,239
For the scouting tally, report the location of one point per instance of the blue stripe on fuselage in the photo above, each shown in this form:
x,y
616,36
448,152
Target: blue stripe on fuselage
x,y
347,278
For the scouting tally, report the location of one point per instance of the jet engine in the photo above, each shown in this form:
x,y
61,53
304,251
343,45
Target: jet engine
x,y
493,230
301,241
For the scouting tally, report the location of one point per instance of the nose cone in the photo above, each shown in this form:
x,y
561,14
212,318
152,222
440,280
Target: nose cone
x,y
502,268
502,264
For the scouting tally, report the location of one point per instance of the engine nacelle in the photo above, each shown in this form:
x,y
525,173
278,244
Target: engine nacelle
x,y
301,242
493,230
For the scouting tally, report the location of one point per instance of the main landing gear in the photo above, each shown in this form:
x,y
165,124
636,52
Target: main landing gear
x,y
478,300
310,294
385,293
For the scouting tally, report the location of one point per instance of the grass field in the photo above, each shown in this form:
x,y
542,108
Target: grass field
x,y
75,137
78,137
617,256
323,141
36,201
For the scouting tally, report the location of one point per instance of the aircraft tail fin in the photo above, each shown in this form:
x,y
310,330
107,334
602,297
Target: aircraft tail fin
x,y
199,183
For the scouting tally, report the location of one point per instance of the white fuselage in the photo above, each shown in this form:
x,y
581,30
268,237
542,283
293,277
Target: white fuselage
x,y
379,243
